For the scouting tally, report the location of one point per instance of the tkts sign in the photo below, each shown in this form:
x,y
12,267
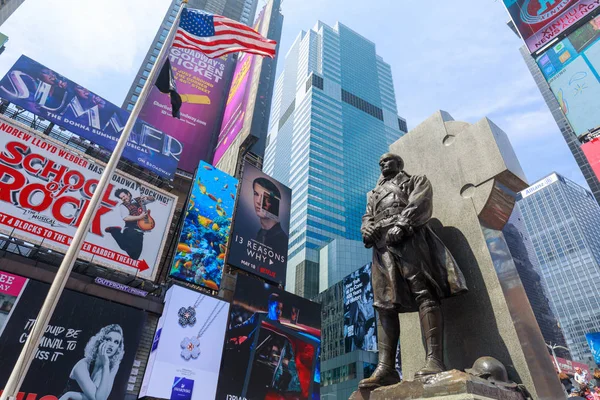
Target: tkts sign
x,y
539,21
45,190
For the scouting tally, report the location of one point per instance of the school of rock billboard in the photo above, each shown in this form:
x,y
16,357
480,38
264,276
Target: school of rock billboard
x,y
259,240
200,254
540,21
272,345
360,326
88,347
45,189
186,352
46,93
201,83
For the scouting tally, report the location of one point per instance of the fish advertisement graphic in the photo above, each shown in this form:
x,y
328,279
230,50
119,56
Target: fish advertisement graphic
x,y
200,254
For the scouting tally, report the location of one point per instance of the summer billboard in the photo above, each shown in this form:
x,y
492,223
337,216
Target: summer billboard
x,y
201,83
360,326
186,352
272,345
540,21
572,69
46,93
88,348
259,240
200,254
45,189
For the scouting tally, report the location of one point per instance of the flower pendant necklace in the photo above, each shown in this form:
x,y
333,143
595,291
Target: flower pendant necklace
x,y
190,346
187,315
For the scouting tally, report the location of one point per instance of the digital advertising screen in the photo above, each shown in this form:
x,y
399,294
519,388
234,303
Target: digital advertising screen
x,y
200,82
572,69
89,345
272,345
48,94
45,189
593,340
186,352
360,325
200,254
259,240
591,150
540,21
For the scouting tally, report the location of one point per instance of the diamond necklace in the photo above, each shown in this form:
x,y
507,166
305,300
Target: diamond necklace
x,y
187,315
191,345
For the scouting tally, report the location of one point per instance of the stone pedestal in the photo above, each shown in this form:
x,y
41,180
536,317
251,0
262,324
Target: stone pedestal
x,y
450,385
475,175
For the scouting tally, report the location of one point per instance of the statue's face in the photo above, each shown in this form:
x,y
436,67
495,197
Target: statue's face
x,y
389,166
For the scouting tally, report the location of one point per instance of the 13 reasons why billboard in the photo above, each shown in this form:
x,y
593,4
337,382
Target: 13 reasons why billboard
x,y
572,69
200,254
186,353
271,345
46,188
540,21
88,348
360,326
201,83
259,240
44,92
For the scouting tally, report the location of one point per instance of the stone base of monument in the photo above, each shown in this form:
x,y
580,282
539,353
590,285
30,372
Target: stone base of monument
x,y
449,385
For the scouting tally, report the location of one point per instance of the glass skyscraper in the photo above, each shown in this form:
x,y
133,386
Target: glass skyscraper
x,y
563,221
240,10
333,115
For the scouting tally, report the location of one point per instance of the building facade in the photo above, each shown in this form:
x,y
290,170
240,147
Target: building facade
x,y
563,124
240,10
340,258
333,115
7,7
521,248
563,221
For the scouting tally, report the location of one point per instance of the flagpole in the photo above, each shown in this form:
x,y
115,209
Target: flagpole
x,y
28,352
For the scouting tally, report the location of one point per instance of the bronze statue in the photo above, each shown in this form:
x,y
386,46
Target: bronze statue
x,y
412,270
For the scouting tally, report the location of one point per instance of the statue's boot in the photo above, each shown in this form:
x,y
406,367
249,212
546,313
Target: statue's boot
x,y
388,333
432,327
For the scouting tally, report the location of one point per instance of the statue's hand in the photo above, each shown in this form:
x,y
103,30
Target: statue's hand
x,y
394,235
371,234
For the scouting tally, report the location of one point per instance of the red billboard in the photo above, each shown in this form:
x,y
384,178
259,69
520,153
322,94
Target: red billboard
x,y
540,21
591,150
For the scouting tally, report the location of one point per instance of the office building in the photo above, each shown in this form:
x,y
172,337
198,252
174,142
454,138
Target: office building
x,y
7,7
240,10
521,248
563,124
563,221
333,115
340,258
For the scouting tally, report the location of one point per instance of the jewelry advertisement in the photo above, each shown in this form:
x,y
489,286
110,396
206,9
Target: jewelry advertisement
x,y
188,346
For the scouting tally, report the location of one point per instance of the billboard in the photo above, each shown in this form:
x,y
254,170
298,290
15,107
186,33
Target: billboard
x,y
44,92
593,340
572,69
591,150
200,254
186,352
201,83
261,226
89,345
360,326
45,189
271,345
540,21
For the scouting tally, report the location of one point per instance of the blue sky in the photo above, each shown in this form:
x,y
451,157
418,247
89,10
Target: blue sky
x,y
458,56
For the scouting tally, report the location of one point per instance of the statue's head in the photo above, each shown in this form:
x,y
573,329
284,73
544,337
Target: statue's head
x,y
390,164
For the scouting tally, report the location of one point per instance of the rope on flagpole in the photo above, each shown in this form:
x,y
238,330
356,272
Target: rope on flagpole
x,y
28,352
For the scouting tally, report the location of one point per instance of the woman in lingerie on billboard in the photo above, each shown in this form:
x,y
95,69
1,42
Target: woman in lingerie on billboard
x,y
93,376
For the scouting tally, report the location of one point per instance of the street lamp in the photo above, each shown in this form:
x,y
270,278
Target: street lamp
x,y
552,347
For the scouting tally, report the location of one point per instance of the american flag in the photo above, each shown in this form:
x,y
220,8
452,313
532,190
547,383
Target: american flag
x,y
216,36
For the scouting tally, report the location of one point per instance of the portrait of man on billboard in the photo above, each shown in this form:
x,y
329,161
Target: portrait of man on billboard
x,y
137,221
266,205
